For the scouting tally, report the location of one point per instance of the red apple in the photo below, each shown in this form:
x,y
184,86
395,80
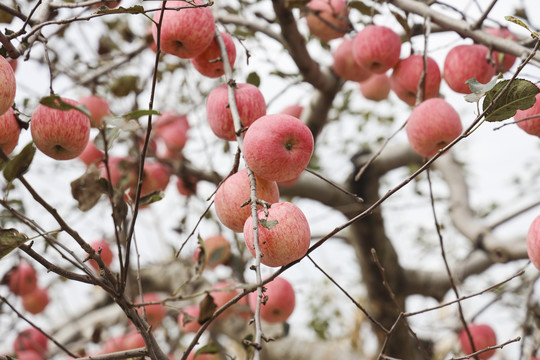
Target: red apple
x,y
503,61
187,188
133,340
465,62
36,301
121,170
249,101
278,147
218,251
406,77
156,177
293,110
23,279
533,242
278,301
531,126
172,128
483,337
106,253
9,131
209,62
31,339
98,108
185,33
327,19
7,86
376,48
344,64
188,319
433,124
286,237
91,154
234,192
222,296
155,313
61,135
29,355
376,88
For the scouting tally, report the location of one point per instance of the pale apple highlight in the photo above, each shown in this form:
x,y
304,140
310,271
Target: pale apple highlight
x,y
533,242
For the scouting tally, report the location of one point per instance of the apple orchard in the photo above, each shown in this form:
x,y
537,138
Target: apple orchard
x,y
286,179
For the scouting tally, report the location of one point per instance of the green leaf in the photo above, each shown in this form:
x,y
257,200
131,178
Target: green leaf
x,y
20,163
521,23
254,79
478,89
139,113
519,96
207,349
56,102
10,239
152,198
268,224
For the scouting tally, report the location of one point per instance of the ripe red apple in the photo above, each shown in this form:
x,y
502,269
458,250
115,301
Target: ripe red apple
x,y
121,170
172,128
483,337
209,62
31,339
185,33
29,355
22,279
234,192
344,64
465,62
293,110
222,293
278,147
36,301
278,301
91,154
327,19
376,88
531,126
376,48
187,188
406,77
156,177
249,101
503,61
98,108
7,86
282,242
189,323
533,242
106,253
433,124
155,313
132,340
218,251
61,135
9,131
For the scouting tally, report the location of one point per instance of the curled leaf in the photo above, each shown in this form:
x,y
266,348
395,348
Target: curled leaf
x,y
10,239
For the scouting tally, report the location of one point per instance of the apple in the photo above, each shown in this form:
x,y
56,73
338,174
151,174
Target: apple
x,y
9,131
31,339
465,62
29,355
23,279
61,135
132,340
188,319
376,48
36,301
293,110
121,171
234,192
376,88
277,303
98,108
328,19
433,124
278,147
91,154
171,128
218,251
531,126
155,177
155,313
533,242
503,61
406,77
285,238
106,253
249,101
344,64
222,296
483,337
187,32
187,188
209,62
7,86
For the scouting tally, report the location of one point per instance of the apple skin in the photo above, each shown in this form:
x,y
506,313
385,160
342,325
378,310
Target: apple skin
x,y
293,110
531,126
465,62
8,86
503,61
156,177
287,241
9,131
376,48
132,340
91,154
235,191
433,124
206,63
36,301
172,129
483,336
31,339
280,301
61,135
98,108
185,33
106,253
155,313
278,147
344,64
533,242
223,297
249,101
121,171
406,77
218,251
189,326
376,88
23,279
334,12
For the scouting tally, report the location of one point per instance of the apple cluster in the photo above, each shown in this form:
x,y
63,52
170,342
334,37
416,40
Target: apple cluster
x,y
23,282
